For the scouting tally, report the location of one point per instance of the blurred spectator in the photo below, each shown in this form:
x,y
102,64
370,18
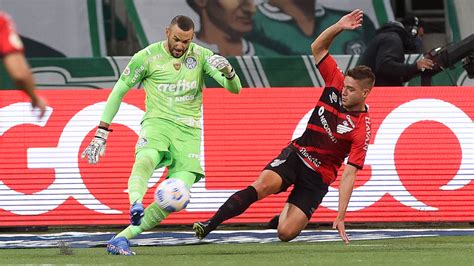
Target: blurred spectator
x,y
385,53
11,50
288,26
416,29
223,25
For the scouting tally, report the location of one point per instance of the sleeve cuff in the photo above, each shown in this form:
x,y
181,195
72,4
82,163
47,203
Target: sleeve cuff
x,y
319,63
355,165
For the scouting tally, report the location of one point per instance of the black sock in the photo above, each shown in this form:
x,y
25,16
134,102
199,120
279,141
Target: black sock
x,y
235,205
273,223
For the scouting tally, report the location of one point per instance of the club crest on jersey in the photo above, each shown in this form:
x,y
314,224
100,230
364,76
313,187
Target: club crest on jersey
x,y
177,65
346,126
190,62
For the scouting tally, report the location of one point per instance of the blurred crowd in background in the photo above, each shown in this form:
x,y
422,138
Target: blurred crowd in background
x,y
243,27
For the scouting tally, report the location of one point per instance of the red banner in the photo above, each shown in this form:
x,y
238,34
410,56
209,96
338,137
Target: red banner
x,y
419,166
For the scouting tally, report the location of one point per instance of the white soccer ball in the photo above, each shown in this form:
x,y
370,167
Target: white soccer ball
x,y
172,195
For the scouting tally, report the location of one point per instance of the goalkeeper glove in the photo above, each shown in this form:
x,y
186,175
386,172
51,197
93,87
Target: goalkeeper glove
x,y
222,64
97,146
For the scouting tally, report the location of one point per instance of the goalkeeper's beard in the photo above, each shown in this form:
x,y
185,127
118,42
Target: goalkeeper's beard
x,y
175,52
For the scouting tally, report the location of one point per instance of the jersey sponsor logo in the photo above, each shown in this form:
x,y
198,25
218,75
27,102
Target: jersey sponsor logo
x,y
180,86
190,62
333,97
305,153
277,162
138,71
185,98
326,124
367,133
126,71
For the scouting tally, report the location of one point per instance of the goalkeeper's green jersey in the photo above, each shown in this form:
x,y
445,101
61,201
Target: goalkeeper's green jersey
x,y
173,86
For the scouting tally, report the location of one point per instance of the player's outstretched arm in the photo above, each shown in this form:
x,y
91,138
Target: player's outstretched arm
x,y
18,69
96,148
345,192
351,21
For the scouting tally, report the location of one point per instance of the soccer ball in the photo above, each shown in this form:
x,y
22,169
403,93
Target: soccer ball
x,y
172,195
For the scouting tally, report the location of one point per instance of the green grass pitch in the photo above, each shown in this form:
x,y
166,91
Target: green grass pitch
x,y
402,251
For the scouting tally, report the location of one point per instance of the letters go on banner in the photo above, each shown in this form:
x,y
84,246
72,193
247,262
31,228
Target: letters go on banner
x,y
419,165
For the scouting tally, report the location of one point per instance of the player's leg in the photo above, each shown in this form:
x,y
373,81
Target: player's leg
x,y
304,199
120,244
146,159
268,183
291,221
143,168
151,152
153,215
145,162
273,179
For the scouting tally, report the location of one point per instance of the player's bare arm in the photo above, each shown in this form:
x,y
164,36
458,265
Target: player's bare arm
x,y
18,69
345,192
351,21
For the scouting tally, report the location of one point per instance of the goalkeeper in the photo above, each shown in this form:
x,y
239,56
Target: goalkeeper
x,y
172,72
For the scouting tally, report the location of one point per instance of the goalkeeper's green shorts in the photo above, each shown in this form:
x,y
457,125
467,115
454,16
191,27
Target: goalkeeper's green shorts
x,y
181,145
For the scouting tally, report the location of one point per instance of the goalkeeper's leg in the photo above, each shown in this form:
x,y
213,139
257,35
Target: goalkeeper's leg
x,y
119,245
153,213
145,162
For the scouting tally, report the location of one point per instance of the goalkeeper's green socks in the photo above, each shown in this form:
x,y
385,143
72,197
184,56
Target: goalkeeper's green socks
x,y
153,216
145,162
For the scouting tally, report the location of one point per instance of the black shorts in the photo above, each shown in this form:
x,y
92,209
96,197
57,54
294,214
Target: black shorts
x,y
309,189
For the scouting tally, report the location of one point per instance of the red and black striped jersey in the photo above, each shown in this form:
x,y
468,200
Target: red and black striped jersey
x,y
10,42
333,133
